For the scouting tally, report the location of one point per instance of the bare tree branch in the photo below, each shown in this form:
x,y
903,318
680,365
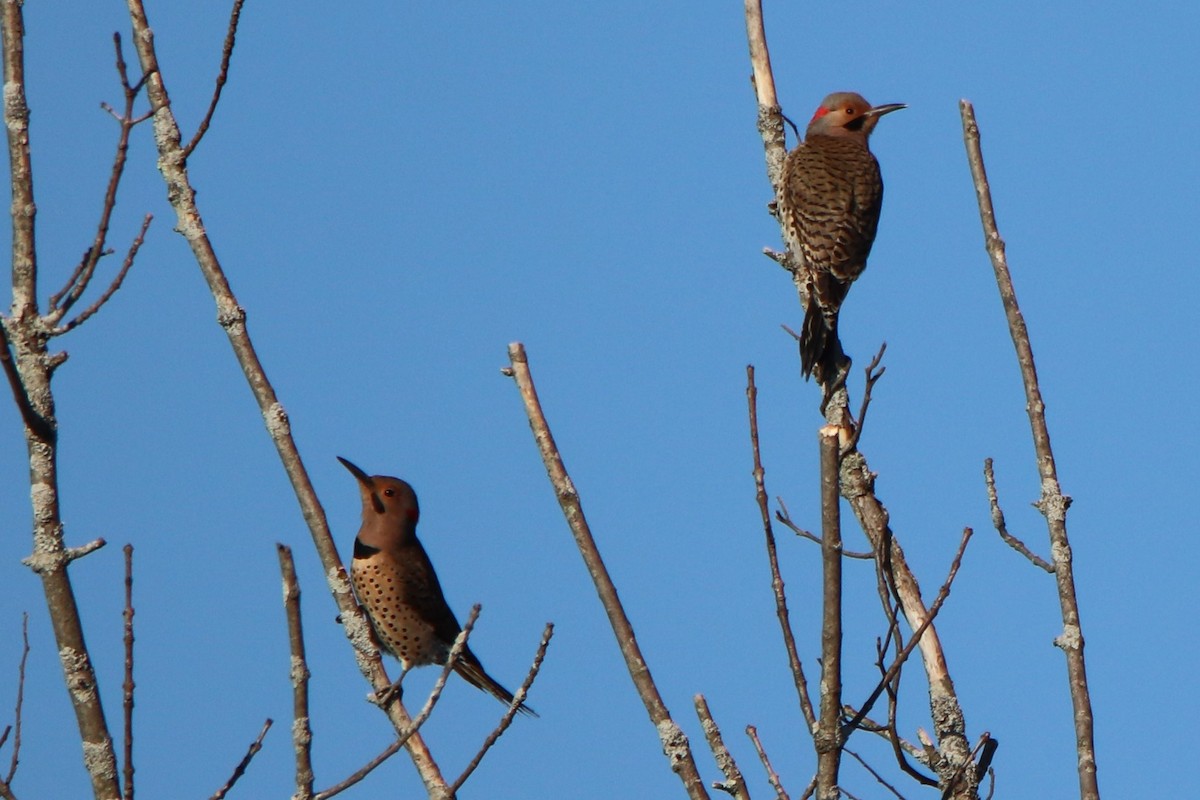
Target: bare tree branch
x,y
240,769
301,723
116,283
874,774
915,639
78,282
734,784
1053,503
828,737
128,685
989,477
777,587
770,121
172,162
858,486
987,745
222,76
460,643
873,375
785,518
6,784
674,741
29,415
772,775
513,708
26,336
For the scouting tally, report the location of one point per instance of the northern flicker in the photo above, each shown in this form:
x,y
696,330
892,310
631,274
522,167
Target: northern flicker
x,y
829,200
399,590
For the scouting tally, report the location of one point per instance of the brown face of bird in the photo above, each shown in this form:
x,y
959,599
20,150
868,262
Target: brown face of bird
x,y
384,497
847,114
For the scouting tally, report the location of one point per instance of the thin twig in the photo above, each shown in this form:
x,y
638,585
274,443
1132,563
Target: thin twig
x,y
222,76
1053,503
81,276
777,586
301,722
772,775
128,685
734,783
511,712
873,373
875,774
675,743
784,517
887,732
942,594
989,477
116,282
16,726
240,769
456,649
44,563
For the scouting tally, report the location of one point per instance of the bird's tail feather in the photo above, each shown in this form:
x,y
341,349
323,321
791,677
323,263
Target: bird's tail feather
x,y
814,340
472,671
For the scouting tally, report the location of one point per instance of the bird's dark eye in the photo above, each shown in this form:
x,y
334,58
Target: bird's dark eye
x,y
850,112
389,492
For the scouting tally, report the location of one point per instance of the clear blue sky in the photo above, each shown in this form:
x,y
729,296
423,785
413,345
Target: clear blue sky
x,y
397,191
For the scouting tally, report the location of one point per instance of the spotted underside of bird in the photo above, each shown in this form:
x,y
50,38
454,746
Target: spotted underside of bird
x,y
828,203
397,587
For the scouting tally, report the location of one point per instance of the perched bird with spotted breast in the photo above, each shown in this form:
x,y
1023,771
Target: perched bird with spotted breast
x,y
397,587
828,203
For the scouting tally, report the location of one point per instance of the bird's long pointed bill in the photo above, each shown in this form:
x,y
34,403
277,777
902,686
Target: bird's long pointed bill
x,y
879,111
364,483
362,477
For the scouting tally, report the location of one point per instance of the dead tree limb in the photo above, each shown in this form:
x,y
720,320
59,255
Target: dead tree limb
x,y
1053,504
172,163
674,741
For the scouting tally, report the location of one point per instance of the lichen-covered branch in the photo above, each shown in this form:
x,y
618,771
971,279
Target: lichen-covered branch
x,y
734,783
299,673
857,484
172,163
675,743
29,367
1053,503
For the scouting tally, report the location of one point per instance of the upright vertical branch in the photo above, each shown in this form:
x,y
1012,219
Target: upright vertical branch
x,y
1053,503
858,488
301,724
15,728
29,368
675,743
828,738
770,120
777,586
127,687
734,783
172,163
16,124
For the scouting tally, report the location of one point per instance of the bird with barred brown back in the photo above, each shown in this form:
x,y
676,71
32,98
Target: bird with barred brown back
x,y
828,203
398,588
